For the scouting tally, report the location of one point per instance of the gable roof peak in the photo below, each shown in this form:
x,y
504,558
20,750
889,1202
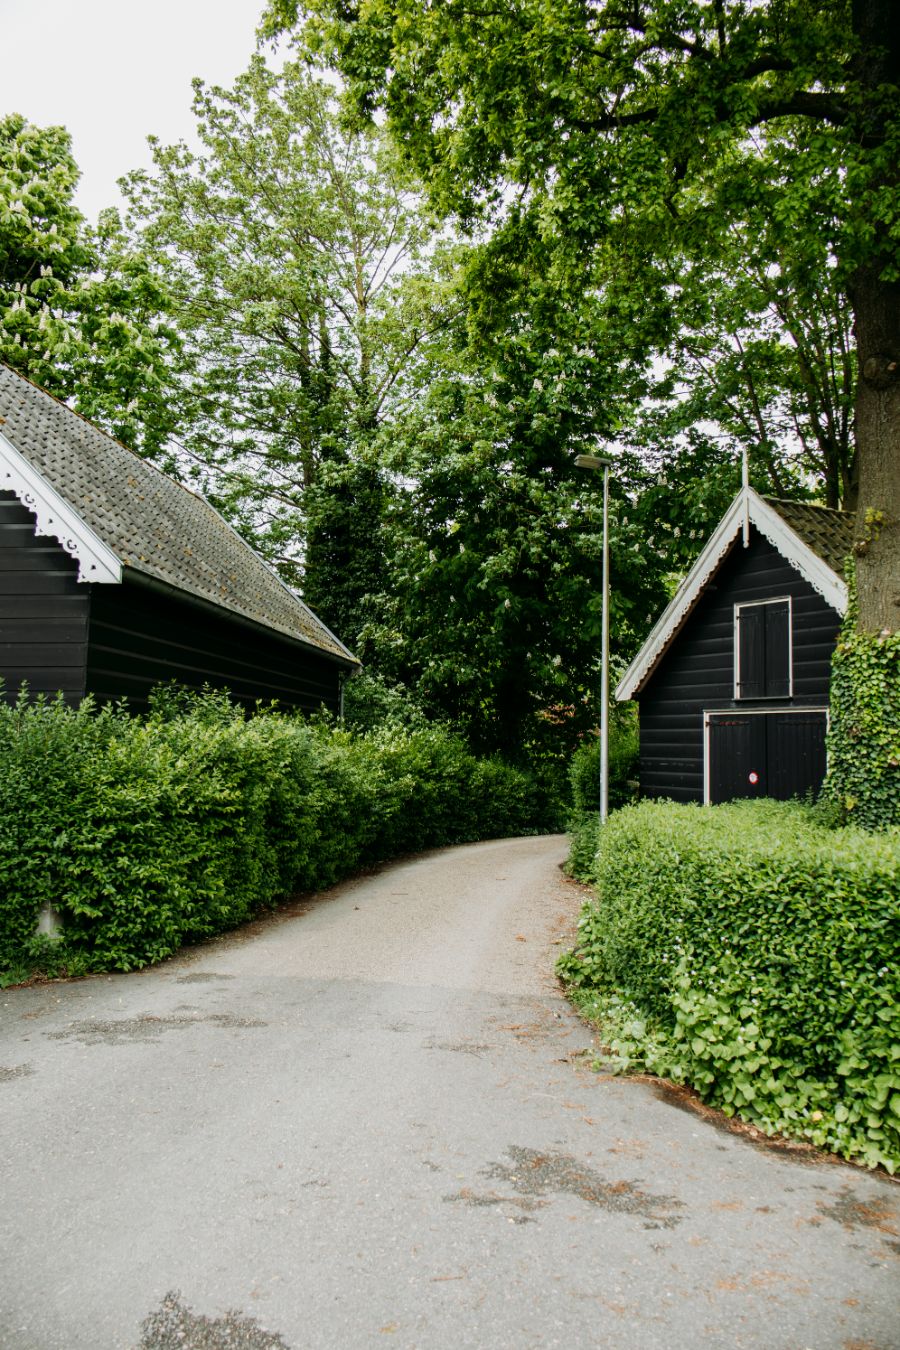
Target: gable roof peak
x,y
789,532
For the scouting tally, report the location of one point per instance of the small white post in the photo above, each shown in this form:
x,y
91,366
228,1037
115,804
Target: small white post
x,y
604,677
745,484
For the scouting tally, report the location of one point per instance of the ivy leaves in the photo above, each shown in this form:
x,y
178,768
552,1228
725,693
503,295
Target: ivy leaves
x,y
863,779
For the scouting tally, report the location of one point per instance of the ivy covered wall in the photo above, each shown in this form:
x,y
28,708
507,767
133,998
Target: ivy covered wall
x,y
864,734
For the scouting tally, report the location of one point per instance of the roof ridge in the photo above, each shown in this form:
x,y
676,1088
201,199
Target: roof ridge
x,y
815,506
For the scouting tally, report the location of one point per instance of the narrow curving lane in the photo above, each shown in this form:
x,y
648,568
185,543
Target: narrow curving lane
x,y
371,1122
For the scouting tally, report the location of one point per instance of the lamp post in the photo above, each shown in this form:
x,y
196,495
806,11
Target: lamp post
x,y
594,462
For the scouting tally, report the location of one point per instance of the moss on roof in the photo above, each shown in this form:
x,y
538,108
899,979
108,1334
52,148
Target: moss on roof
x,y
827,532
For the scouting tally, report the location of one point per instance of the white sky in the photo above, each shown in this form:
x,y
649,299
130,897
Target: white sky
x,y
115,71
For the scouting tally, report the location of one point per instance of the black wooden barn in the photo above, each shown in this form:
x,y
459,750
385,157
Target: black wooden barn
x,y
733,681
115,578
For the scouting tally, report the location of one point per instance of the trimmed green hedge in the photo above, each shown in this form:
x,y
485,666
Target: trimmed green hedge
x,y
146,833
753,952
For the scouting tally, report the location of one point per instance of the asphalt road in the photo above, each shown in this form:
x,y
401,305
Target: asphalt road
x,y
370,1122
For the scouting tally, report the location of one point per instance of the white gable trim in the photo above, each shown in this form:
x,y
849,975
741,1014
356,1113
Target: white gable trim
x,y
779,534
55,517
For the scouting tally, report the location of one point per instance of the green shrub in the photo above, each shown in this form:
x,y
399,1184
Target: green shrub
x,y
584,772
753,952
145,833
584,831
47,751
371,701
584,779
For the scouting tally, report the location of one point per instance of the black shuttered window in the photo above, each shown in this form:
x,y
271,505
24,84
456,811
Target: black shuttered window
x,y
763,650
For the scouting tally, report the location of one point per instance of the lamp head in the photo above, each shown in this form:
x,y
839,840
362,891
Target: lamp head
x,y
592,462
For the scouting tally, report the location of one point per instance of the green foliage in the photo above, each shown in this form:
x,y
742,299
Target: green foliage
x,y
420,491
584,832
720,179
584,780
80,312
754,953
371,701
47,753
711,166
493,611
863,780
624,749
293,252
145,833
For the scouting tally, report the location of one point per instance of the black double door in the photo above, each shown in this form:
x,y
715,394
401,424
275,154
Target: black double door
x,y
778,754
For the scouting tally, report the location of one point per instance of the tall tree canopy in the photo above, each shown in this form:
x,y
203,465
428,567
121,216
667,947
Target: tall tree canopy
x,y
626,135
296,256
335,398
757,341
80,312
493,611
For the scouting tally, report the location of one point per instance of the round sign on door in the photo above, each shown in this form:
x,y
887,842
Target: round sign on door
x,y
754,776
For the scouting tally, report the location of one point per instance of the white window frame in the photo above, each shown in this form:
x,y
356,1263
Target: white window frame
x,y
749,712
736,639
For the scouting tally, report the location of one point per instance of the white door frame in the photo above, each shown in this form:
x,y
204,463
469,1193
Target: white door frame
x,y
709,713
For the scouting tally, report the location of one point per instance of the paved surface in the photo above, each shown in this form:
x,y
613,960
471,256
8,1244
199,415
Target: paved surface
x,y
369,1123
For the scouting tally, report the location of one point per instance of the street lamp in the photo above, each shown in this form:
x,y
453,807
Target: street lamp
x,y
594,462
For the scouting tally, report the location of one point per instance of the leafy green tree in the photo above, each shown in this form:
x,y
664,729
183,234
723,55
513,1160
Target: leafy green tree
x,y
296,256
758,343
493,613
630,131
80,313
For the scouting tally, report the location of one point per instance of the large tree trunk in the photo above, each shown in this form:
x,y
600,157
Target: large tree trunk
x,y
876,305
878,440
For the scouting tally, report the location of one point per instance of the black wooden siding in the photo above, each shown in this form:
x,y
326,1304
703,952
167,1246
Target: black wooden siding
x,y
140,637
43,609
118,641
697,672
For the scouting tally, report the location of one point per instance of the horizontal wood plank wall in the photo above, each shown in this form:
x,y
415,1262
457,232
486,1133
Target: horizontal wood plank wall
x,y
44,609
140,638
697,672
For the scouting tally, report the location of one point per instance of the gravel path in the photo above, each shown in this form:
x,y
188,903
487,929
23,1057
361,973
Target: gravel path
x,y
370,1121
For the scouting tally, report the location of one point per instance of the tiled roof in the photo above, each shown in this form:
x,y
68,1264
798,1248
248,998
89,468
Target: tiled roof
x,y
152,524
827,532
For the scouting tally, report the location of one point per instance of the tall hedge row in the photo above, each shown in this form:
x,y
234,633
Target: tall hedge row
x,y
753,952
146,833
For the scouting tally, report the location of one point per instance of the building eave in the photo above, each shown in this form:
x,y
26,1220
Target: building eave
x,y
147,581
55,518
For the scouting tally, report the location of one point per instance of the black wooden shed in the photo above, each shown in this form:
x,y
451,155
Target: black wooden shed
x,y
115,578
733,681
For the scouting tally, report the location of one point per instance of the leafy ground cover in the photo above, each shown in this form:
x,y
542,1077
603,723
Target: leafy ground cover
x,y
143,833
750,951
